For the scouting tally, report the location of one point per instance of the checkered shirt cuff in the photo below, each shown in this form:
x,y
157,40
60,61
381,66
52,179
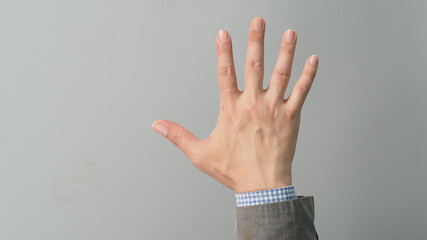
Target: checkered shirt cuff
x,y
265,196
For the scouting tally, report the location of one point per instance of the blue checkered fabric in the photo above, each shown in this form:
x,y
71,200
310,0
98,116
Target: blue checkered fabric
x,y
265,196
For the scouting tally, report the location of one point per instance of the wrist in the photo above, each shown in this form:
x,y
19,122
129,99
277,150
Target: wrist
x,y
253,184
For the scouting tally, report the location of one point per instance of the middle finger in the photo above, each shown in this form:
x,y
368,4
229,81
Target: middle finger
x,y
254,67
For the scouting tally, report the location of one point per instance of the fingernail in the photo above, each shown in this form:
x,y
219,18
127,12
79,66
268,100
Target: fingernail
x,y
223,36
160,128
313,60
258,24
289,36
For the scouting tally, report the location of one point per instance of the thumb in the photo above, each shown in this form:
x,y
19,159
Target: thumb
x,y
179,136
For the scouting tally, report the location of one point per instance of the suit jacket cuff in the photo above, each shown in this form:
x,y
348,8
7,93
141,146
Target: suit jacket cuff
x,y
293,219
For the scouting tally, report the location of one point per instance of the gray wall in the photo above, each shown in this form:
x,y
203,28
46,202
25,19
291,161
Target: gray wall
x,y
82,81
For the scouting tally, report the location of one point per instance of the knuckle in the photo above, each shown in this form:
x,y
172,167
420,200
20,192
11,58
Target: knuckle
x,y
252,109
273,102
295,113
257,37
228,113
289,48
304,89
309,73
254,64
252,101
291,113
281,74
176,138
226,71
272,109
227,107
224,46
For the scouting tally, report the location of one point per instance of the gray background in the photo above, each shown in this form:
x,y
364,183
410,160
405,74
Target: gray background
x,y
82,81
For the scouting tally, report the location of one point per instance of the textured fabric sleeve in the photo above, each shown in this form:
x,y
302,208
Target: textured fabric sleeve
x,y
285,220
265,196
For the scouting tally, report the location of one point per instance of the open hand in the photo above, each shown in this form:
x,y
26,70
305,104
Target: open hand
x,y
253,143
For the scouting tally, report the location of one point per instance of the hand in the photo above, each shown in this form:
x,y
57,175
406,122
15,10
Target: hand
x,y
253,143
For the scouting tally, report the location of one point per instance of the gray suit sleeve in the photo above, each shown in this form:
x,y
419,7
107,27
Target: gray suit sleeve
x,y
286,220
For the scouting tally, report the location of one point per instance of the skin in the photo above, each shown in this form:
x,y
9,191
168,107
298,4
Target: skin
x,y
253,143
